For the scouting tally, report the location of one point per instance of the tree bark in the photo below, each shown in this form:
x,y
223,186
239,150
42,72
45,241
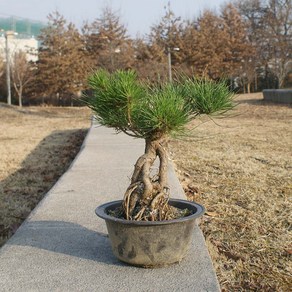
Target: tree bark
x,y
248,87
148,194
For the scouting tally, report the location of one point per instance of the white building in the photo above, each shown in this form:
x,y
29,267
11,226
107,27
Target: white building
x,y
26,45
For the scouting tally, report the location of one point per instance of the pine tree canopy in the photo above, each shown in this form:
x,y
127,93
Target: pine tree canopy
x,y
119,100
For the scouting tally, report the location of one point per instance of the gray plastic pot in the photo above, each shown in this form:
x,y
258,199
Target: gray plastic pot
x,y
151,243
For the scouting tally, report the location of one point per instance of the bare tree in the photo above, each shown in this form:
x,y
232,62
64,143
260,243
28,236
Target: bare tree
x,y
270,30
252,12
2,70
2,73
278,22
22,73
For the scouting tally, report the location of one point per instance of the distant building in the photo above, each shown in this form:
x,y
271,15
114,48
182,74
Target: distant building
x,y
24,27
15,44
26,31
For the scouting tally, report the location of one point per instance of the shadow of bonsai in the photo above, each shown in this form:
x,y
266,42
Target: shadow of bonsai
x,y
66,238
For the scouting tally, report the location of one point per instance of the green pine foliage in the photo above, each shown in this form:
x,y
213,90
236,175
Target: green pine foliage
x,y
164,111
119,100
114,98
206,96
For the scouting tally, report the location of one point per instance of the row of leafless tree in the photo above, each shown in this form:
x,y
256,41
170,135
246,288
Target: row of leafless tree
x,y
249,43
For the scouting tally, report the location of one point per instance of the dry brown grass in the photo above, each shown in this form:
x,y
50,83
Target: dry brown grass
x,y
36,147
240,170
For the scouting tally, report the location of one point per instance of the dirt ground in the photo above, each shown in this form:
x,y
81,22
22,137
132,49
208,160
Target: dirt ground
x,y
238,167
37,145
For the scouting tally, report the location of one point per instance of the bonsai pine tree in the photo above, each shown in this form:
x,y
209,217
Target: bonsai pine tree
x,y
153,113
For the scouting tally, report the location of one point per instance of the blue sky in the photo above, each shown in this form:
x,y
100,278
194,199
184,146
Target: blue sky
x,y
137,15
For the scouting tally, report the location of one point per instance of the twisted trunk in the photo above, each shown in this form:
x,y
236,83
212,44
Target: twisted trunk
x,y
147,196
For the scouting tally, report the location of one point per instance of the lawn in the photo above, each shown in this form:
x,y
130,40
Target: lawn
x,y
238,167
37,145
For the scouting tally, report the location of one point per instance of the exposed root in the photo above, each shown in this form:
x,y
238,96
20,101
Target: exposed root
x,y
140,214
147,196
127,199
155,211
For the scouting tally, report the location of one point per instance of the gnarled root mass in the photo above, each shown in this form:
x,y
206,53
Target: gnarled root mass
x,y
147,197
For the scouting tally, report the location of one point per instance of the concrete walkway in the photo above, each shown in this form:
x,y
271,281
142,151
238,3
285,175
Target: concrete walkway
x,y
63,246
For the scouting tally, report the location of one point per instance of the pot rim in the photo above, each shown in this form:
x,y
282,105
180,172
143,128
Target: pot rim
x,y
101,211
